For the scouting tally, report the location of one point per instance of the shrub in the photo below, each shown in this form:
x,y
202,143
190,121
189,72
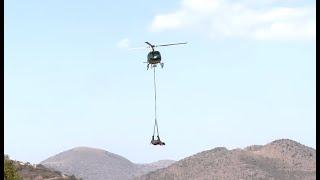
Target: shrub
x,y
10,171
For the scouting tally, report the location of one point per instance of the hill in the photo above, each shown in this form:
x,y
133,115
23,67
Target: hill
x,y
96,164
281,159
26,171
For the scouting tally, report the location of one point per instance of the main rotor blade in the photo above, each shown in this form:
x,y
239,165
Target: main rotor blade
x,y
170,44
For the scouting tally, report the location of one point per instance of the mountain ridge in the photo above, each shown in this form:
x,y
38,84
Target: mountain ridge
x,y
280,159
92,163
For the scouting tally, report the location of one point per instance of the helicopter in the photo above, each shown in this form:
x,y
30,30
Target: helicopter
x,y
154,57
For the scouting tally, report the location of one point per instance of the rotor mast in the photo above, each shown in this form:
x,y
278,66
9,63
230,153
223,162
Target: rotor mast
x,y
152,46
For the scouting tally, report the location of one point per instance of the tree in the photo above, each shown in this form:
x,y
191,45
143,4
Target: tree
x,y
10,171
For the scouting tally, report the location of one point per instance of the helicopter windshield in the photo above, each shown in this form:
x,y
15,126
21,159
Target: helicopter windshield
x,y
156,53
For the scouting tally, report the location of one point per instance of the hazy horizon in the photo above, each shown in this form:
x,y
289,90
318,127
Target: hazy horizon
x,y
247,76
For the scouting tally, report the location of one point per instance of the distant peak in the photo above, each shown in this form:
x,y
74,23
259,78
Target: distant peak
x,y
85,148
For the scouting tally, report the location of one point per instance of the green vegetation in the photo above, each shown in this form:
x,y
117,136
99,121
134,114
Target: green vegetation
x,y
10,170
16,170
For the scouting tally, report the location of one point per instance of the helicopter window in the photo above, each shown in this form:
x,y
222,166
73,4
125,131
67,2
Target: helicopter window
x,y
156,53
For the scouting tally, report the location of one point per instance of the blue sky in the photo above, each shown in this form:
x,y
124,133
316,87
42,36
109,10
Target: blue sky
x,y
247,76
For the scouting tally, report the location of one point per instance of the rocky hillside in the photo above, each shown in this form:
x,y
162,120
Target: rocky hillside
x,y
281,159
97,164
26,171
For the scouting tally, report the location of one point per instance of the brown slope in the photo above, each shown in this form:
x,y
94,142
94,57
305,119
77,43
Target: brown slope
x,y
296,155
96,164
282,159
89,163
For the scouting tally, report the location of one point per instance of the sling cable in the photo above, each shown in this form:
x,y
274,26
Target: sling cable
x,y
155,127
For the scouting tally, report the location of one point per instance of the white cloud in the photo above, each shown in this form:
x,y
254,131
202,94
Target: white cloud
x,y
240,19
203,6
168,21
124,43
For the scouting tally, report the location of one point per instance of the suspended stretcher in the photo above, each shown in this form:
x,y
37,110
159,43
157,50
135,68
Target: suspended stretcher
x,y
155,127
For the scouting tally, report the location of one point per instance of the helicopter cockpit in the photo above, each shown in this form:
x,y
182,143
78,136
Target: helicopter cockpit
x,y
154,56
